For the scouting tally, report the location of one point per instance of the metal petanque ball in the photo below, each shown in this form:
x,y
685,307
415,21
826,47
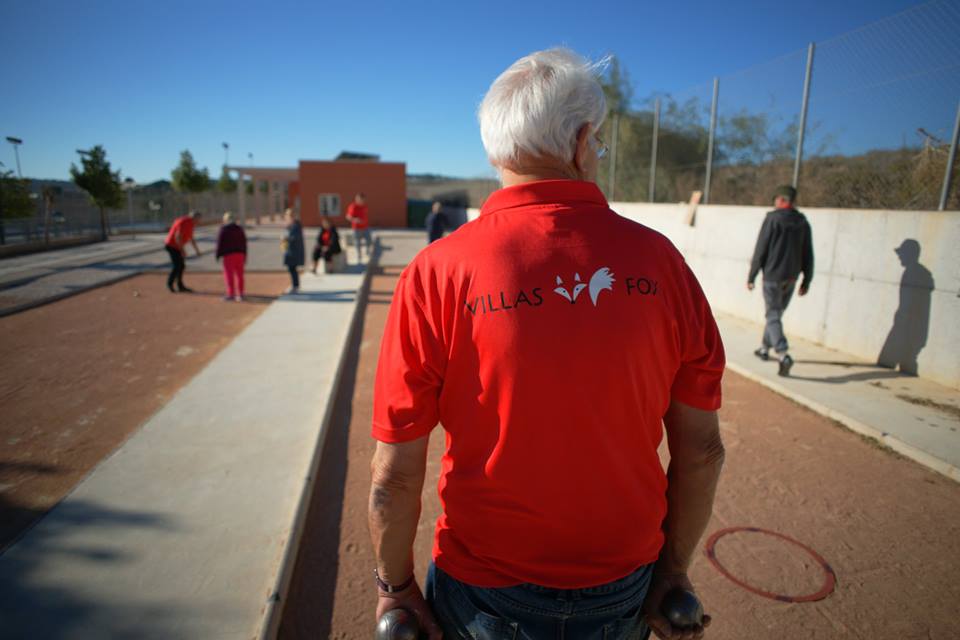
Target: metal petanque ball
x,y
682,608
398,624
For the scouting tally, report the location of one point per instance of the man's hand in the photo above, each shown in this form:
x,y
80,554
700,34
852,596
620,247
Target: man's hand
x,y
803,289
661,627
412,600
750,286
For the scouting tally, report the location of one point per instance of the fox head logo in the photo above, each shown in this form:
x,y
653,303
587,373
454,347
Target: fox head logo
x,y
602,279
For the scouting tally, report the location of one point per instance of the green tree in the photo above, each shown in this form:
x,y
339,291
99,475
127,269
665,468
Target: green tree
x,y
188,178
100,183
226,184
617,88
15,199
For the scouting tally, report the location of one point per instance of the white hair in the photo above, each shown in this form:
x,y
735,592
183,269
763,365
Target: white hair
x,y
538,105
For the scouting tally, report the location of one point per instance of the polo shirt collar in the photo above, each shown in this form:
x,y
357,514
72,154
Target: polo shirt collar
x,y
544,192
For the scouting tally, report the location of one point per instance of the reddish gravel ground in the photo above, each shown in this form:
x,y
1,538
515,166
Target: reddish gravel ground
x,y
889,528
80,375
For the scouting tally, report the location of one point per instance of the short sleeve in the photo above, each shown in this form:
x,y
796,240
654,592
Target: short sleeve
x,y
410,369
702,359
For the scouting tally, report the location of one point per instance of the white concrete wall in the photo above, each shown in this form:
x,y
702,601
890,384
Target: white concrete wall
x,y
857,280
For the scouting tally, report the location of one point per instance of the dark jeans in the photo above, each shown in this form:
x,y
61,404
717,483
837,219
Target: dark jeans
x,y
176,273
359,237
776,297
294,276
530,612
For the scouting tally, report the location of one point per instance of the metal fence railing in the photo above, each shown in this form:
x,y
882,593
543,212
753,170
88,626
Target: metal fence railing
x,y
73,216
868,119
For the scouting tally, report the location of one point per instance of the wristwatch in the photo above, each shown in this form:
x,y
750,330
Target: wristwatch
x,y
389,588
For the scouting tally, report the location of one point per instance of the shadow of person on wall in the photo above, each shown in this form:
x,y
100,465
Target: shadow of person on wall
x,y
911,322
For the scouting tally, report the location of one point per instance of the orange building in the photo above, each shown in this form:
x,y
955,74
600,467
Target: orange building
x,y
327,187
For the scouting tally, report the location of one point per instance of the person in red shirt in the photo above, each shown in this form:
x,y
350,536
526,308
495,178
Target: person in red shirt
x,y
181,232
357,216
554,340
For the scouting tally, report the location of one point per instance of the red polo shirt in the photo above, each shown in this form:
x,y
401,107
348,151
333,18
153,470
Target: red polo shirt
x,y
548,337
359,214
184,226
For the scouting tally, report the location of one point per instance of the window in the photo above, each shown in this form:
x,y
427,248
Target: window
x,y
329,204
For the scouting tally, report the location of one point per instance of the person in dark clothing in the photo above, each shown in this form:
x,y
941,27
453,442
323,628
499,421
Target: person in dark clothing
x,y
784,250
232,247
328,245
293,252
436,223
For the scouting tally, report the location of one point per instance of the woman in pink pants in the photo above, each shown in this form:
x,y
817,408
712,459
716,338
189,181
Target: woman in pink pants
x,y
232,247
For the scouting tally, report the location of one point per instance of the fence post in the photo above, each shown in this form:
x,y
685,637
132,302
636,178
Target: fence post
x,y
713,133
948,177
613,156
803,115
242,198
653,150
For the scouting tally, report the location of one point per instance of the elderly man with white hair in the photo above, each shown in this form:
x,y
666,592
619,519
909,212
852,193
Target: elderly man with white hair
x,y
553,340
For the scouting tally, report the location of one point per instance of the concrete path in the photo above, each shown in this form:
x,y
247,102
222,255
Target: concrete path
x,y
914,417
184,532
28,281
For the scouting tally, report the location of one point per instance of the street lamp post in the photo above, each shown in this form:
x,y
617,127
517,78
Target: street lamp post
x,y
226,154
16,142
128,185
3,231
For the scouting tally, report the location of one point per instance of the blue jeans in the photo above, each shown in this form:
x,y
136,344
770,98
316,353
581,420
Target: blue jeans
x,y
776,297
361,235
530,612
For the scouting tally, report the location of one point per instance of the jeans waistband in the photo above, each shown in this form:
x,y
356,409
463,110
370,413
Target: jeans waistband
x,y
602,589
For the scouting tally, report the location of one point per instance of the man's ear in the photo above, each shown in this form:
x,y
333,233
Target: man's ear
x,y
582,147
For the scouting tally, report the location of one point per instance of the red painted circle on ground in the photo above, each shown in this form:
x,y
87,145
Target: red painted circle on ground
x,y
829,580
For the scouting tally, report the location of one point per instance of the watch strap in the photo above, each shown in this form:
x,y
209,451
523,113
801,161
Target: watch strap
x,y
389,588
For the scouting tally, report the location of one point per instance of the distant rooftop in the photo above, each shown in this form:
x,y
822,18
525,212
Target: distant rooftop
x,y
356,155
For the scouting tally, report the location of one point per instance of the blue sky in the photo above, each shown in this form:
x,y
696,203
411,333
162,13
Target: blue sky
x,y
289,81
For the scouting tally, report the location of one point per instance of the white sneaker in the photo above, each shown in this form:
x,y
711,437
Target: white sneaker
x,y
291,290
238,299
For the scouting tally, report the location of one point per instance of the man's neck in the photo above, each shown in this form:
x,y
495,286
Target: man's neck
x,y
513,177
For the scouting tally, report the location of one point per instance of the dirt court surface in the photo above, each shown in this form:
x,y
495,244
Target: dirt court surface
x,y
82,374
889,528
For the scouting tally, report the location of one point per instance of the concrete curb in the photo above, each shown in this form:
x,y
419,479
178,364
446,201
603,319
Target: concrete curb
x,y
273,612
37,246
922,457
33,304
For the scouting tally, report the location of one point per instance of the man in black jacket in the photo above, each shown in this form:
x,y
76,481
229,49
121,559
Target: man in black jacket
x,y
784,251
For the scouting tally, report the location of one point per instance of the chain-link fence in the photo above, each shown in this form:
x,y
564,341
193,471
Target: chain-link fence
x,y
70,215
865,120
